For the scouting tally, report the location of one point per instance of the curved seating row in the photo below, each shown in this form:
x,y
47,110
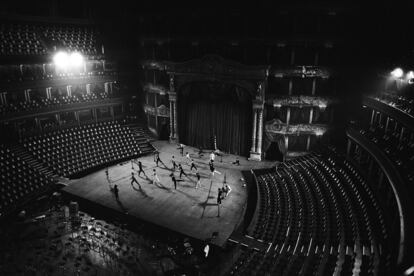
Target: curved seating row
x,y
320,217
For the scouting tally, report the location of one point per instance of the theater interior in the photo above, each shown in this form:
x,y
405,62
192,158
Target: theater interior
x,y
217,138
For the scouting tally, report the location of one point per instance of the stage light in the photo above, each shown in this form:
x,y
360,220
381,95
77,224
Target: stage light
x,y
76,59
410,77
409,271
318,132
397,73
61,60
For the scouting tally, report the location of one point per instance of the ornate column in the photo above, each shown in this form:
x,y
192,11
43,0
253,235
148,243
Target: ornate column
x,y
253,149
257,131
171,119
172,96
260,133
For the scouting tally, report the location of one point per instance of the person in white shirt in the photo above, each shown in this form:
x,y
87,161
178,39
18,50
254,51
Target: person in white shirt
x,y
212,156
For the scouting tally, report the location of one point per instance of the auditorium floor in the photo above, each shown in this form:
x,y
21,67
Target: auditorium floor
x,y
192,212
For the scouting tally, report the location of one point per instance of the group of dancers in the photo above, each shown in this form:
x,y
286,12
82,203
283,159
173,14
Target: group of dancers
x,y
175,166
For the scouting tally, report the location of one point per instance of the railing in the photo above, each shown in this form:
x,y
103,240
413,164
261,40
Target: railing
x,y
400,195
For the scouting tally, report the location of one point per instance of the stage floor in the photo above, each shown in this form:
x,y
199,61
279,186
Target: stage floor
x,y
192,212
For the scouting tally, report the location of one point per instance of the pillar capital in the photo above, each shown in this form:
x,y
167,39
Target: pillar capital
x,y
172,96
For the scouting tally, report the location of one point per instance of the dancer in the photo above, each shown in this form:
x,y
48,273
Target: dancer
x,y
174,180
155,178
116,191
157,158
198,184
134,180
173,163
226,190
193,165
212,156
237,162
187,155
213,169
181,148
180,168
140,168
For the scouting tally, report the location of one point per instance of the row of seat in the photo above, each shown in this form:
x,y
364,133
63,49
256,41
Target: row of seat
x,y
69,152
403,103
320,217
35,39
401,152
20,39
18,180
33,105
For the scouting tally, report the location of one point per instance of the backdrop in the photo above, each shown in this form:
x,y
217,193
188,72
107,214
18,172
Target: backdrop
x,y
208,109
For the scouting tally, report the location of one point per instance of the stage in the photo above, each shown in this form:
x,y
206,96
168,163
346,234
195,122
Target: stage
x,y
187,210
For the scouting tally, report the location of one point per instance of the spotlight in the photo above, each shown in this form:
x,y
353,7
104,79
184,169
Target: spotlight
x,y
409,271
410,77
76,59
61,60
397,73
319,133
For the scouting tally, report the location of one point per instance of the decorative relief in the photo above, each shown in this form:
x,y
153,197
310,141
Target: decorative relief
x,y
301,101
302,72
152,88
276,128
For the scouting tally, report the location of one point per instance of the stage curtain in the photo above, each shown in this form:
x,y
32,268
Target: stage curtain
x,y
208,110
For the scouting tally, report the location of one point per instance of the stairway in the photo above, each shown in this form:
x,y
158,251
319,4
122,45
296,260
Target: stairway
x,y
143,137
24,155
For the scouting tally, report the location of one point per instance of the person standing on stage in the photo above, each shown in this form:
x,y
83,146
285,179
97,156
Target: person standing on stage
x,y
198,184
181,148
213,169
155,178
157,158
193,165
140,168
173,163
134,180
212,156
181,170
187,155
226,190
174,181
116,191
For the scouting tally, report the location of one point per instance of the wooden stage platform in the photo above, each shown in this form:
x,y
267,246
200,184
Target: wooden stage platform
x,y
192,212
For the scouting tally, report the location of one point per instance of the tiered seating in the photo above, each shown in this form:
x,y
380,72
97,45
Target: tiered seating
x,y
73,38
56,101
19,181
400,152
76,150
19,40
400,102
320,217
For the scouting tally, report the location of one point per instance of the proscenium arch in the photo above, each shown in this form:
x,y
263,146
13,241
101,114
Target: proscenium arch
x,y
215,114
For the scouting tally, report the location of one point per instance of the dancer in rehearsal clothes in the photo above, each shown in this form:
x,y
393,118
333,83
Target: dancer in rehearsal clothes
x,y
174,164
180,168
140,168
157,158
155,178
198,184
193,165
213,170
226,190
134,180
